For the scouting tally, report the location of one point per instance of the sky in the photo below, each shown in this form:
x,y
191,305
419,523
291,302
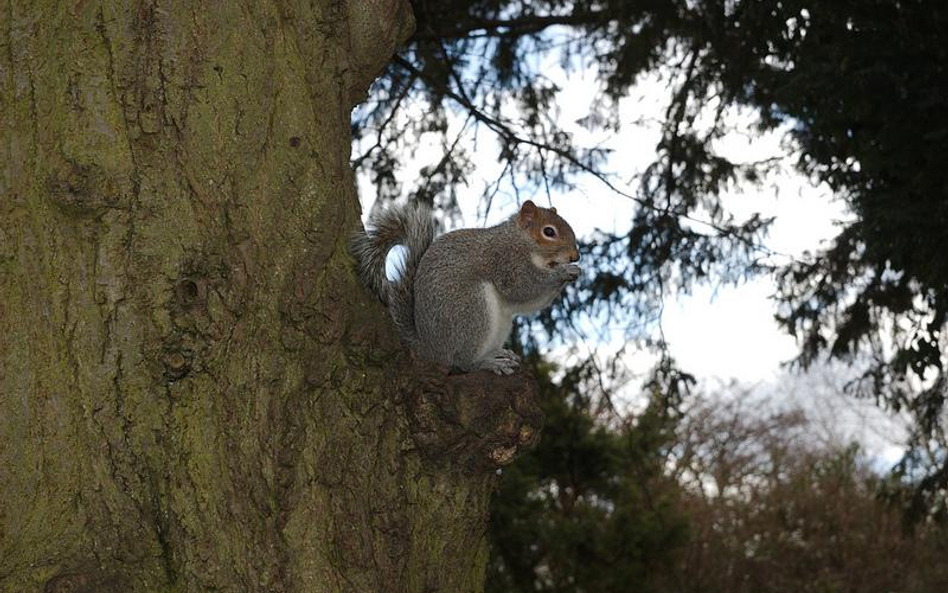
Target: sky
x,y
723,335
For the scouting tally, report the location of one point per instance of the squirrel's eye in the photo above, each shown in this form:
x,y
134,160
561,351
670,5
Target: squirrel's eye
x,y
549,231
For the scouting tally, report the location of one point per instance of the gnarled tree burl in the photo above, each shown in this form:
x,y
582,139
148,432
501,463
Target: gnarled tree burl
x,y
195,392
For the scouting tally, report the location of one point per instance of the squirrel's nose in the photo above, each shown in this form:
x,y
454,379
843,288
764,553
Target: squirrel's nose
x,y
574,256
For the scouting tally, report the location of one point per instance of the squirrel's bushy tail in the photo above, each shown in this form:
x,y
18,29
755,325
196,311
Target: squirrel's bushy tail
x,y
413,227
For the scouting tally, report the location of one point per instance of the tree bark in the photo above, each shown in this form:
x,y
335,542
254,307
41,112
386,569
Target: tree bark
x,y
195,392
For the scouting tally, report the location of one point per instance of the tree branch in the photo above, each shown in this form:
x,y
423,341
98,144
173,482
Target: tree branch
x,y
504,131
524,25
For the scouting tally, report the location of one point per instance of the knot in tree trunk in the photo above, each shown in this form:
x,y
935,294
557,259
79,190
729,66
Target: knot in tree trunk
x,y
475,421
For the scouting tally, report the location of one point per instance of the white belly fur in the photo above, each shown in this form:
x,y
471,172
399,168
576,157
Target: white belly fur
x,y
500,319
533,306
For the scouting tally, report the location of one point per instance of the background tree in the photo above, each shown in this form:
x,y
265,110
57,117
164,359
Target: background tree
x,y
716,491
856,86
592,507
770,509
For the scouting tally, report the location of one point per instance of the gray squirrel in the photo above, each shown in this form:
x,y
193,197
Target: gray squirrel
x,y
455,296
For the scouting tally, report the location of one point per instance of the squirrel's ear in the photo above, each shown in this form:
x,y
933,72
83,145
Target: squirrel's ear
x,y
528,214
552,209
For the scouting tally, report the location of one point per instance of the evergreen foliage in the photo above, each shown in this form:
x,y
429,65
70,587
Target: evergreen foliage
x,y
860,84
591,508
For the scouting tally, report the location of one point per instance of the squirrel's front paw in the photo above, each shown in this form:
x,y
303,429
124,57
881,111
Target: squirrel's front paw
x,y
568,272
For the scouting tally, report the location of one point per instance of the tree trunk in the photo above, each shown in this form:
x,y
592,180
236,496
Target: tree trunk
x,y
195,392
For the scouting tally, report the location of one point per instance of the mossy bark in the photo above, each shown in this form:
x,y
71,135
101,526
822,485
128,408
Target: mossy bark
x,y
195,392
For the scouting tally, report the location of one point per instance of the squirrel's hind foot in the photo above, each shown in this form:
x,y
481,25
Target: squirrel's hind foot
x,y
500,361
